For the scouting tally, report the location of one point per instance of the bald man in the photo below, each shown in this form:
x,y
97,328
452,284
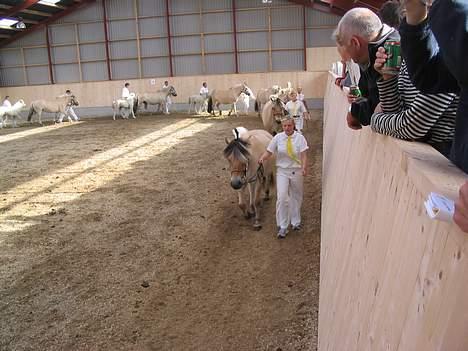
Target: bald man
x,y
360,33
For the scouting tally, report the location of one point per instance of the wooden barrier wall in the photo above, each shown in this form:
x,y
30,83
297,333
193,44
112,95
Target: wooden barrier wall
x,y
391,278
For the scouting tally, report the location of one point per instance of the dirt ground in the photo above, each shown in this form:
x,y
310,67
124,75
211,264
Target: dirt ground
x,y
126,235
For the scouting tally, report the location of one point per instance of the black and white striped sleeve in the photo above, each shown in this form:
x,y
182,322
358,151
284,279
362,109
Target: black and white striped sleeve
x,y
390,99
414,122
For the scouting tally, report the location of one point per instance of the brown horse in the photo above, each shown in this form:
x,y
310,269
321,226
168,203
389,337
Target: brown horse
x,y
242,154
272,113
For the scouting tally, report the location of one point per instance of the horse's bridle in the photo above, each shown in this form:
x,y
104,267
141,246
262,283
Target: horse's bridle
x,y
243,173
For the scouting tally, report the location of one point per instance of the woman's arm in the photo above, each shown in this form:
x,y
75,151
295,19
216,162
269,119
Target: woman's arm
x,y
265,156
304,162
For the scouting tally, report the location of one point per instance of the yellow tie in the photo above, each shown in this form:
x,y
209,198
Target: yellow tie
x,y
290,150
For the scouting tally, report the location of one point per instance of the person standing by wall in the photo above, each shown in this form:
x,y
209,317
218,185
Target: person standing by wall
x,y
290,148
360,33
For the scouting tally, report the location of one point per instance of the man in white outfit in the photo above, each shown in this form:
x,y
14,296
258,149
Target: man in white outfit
x,y
168,98
290,148
68,109
126,91
296,110
6,102
204,92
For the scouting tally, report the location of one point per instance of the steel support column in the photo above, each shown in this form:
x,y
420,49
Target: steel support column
x,y
234,27
106,39
169,39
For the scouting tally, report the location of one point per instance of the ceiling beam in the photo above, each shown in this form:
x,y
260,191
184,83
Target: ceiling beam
x,y
320,6
49,20
31,12
12,11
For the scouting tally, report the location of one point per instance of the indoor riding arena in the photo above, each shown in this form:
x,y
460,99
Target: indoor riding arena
x,y
126,234
120,221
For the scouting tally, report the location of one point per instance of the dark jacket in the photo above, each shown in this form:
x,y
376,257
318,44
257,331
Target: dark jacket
x,y
364,107
436,52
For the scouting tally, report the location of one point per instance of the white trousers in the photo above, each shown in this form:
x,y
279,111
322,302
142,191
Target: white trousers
x,y
68,111
289,191
299,121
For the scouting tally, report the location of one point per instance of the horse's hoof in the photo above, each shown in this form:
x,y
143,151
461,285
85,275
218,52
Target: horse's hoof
x,y
257,226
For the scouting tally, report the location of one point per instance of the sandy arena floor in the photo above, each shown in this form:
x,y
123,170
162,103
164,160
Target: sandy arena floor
x,y
126,235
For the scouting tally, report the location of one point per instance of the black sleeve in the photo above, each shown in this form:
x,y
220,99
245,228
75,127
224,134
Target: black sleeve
x,y
426,67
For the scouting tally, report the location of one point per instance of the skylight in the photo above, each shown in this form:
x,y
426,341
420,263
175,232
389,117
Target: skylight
x,y
48,2
7,22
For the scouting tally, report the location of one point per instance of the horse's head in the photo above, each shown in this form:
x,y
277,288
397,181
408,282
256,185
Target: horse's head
x,y
19,104
73,101
172,91
245,90
237,154
278,111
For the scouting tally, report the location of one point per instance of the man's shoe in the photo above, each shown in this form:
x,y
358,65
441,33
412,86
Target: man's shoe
x,y
297,227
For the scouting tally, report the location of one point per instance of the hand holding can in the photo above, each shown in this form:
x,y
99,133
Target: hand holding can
x,y
393,62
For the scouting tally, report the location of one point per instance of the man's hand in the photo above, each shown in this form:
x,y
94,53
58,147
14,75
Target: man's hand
x,y
416,11
353,122
461,208
379,65
351,98
338,81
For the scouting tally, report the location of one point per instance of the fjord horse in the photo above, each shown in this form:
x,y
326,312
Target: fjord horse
x,y
242,154
272,114
226,97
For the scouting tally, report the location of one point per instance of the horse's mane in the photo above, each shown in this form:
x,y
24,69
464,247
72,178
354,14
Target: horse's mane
x,y
238,149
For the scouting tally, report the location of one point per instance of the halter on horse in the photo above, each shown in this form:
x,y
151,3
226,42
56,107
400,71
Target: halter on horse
x,y
242,154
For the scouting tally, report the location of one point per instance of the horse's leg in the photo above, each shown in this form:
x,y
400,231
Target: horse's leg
x,y
242,204
255,202
235,109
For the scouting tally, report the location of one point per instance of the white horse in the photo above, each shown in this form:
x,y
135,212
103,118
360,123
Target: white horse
x,y
125,106
198,102
158,98
226,97
59,105
11,111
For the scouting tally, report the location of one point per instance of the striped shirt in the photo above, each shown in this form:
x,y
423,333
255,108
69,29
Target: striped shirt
x,y
411,115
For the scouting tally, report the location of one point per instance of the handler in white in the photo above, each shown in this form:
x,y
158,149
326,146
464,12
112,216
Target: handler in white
x,y
168,98
126,91
6,102
204,90
296,109
291,166
68,109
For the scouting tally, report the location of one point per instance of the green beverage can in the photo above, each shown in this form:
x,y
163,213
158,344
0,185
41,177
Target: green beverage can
x,y
393,51
355,91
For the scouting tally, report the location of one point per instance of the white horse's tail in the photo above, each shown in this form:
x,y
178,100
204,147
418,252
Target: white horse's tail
x,y
239,132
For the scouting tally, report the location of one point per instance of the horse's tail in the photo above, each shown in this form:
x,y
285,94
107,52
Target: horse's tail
x,y
210,105
256,106
31,112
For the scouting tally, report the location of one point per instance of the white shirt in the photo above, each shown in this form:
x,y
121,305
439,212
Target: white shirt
x,y
204,91
125,92
295,108
278,145
6,103
300,96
